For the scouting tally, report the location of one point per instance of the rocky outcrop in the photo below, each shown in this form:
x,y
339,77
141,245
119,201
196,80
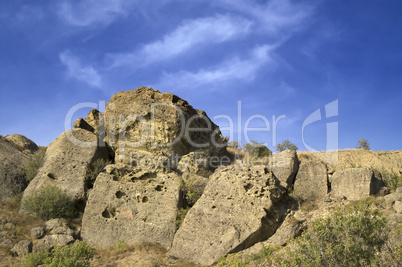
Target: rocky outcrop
x,y
12,174
311,181
132,205
284,165
22,143
146,120
238,208
69,164
355,183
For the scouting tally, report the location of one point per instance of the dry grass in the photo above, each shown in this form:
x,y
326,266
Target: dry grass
x,y
22,225
142,254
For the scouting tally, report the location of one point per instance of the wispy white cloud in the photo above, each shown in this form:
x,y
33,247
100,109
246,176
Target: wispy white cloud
x,y
233,69
272,16
85,13
76,70
190,33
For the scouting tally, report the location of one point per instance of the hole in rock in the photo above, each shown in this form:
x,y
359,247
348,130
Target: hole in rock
x,y
120,194
145,199
109,213
159,187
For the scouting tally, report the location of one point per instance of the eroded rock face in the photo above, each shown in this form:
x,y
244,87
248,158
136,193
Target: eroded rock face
x,y
355,183
22,143
146,120
67,165
12,164
132,205
238,208
311,181
284,165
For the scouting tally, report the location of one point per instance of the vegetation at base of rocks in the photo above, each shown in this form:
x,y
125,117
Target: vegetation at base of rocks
x,y
363,144
235,145
258,150
35,162
286,144
95,168
120,245
75,255
242,260
191,195
50,202
391,180
181,214
189,188
356,235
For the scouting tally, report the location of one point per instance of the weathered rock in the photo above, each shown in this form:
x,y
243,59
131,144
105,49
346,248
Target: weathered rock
x,y
198,163
58,240
12,164
284,165
68,164
80,123
37,232
54,223
311,181
95,120
355,183
22,248
22,143
160,123
131,205
290,228
239,208
62,230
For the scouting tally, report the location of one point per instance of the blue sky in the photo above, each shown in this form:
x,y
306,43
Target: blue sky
x,y
278,58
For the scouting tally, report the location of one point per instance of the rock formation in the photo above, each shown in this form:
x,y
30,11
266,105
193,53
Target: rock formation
x,y
237,209
311,181
355,184
68,164
284,165
148,121
14,157
132,205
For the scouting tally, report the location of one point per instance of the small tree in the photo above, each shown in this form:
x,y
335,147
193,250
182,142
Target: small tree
x,y
235,145
363,144
256,149
286,144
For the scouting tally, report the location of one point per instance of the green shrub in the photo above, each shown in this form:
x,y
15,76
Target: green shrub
x,y
347,238
95,168
35,259
257,150
191,190
363,144
391,180
50,202
75,255
120,245
181,214
286,144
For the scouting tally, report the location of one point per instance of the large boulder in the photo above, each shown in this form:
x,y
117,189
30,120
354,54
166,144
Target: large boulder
x,y
238,208
284,165
132,205
146,120
355,183
22,143
68,164
311,181
12,174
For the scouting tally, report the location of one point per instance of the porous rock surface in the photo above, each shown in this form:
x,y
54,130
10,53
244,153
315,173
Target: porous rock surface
x,y
146,120
68,159
355,183
239,207
132,205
